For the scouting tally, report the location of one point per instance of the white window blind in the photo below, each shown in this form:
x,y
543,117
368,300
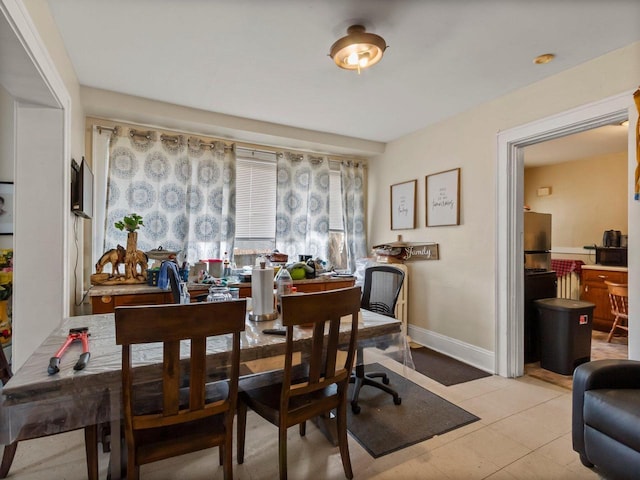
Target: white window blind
x,y
255,195
335,201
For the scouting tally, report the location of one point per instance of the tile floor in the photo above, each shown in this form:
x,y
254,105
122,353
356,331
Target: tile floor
x,y
524,433
600,348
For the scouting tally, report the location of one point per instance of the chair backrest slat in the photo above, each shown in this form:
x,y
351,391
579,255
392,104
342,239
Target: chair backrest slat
x,y
198,372
618,297
171,377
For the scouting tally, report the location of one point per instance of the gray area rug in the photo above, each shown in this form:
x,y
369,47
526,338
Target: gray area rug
x,y
443,369
382,427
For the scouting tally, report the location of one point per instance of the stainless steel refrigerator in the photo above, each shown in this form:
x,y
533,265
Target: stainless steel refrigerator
x,y
539,281
537,241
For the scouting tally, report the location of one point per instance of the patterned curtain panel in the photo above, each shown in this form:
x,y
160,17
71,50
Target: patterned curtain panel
x,y
302,208
183,189
352,179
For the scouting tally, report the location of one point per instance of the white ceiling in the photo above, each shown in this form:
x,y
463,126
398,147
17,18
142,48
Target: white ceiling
x,y
596,142
267,60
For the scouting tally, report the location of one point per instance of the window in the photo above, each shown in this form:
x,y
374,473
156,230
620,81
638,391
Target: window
x,y
255,205
256,209
335,201
337,251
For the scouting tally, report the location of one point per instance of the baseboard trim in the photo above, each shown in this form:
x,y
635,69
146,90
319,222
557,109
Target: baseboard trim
x,y
465,352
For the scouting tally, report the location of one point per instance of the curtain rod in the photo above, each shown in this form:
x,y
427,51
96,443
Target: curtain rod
x,y
246,146
108,129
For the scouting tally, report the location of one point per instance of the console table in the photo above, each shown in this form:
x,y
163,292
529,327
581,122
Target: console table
x,y
105,298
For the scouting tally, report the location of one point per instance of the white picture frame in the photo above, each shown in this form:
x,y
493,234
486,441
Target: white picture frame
x,y
403,205
443,198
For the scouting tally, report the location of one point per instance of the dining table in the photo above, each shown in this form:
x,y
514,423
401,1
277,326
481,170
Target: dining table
x,y
35,403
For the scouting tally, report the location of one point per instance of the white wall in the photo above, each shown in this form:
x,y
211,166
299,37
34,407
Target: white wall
x,y
39,229
51,40
453,299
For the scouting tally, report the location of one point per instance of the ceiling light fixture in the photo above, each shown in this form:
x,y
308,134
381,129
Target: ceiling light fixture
x,y
358,50
545,58
624,123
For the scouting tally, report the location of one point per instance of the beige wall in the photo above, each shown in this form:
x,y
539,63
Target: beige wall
x,y
454,298
587,197
42,18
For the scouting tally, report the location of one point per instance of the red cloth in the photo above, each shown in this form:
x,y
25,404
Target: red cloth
x,y
565,267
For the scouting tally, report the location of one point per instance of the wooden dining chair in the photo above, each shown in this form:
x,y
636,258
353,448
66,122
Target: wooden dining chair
x,y
90,434
316,386
180,419
619,300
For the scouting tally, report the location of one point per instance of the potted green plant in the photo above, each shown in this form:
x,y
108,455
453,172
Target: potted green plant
x,y
130,223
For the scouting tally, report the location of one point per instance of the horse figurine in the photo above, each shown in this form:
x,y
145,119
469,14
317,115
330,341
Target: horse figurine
x,y
115,257
142,260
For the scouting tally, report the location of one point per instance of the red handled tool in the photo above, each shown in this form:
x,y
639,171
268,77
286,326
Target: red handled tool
x,y
81,334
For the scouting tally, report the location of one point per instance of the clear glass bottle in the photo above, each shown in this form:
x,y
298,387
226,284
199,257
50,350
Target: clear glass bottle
x,y
226,266
284,285
185,296
218,294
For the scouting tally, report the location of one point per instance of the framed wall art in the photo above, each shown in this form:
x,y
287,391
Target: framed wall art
x,y
443,198
6,208
403,205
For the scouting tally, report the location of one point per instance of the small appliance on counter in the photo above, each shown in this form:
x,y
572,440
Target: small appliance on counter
x,y
611,238
613,252
611,256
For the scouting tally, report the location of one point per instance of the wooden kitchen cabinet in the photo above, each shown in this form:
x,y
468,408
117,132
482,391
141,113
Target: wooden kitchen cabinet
x,y
104,299
594,290
107,303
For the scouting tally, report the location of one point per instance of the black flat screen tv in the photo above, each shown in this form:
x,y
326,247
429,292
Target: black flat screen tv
x,y
82,190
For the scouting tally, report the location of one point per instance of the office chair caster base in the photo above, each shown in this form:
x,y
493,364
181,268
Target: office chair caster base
x,y
397,400
355,408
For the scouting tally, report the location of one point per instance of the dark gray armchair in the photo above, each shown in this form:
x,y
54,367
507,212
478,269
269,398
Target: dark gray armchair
x,y
606,417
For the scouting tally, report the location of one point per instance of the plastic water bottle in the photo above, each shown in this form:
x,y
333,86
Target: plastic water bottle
x,y
186,296
284,286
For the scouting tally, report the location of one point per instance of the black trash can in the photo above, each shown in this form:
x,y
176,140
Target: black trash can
x,y
565,333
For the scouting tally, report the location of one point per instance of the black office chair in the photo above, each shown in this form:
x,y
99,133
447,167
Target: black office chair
x,y
382,285
174,283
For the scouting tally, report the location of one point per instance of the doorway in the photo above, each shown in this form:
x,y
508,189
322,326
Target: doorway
x,y
38,116
510,195
580,181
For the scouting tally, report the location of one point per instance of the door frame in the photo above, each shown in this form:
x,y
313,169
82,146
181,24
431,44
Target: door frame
x,y
42,126
509,217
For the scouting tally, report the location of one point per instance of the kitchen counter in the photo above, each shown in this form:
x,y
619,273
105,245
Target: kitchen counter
x,y
594,289
605,267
